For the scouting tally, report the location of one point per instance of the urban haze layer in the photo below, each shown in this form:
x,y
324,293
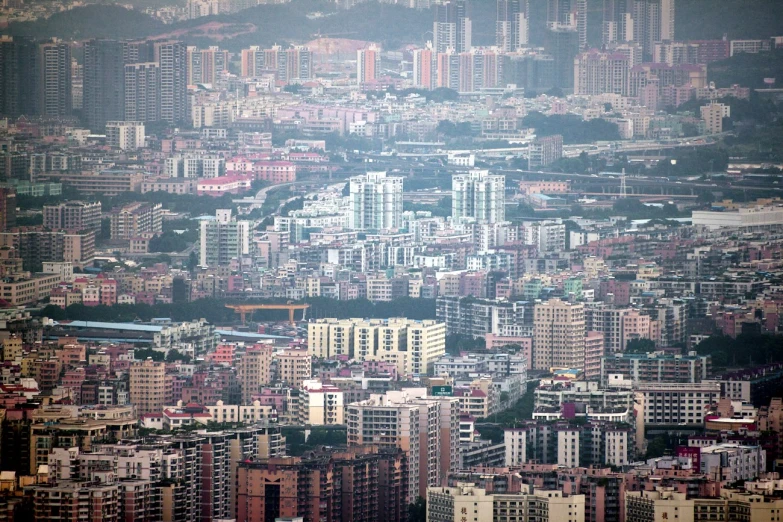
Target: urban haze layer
x,y
391,261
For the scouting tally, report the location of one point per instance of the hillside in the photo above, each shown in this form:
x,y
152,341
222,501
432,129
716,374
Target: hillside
x,y
391,25
710,19
93,21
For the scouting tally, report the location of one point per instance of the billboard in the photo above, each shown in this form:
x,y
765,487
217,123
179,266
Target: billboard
x,y
442,391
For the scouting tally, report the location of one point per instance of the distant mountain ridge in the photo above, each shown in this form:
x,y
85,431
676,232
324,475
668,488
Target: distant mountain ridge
x,y
390,25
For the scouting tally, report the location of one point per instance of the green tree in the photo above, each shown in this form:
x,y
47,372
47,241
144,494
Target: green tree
x,y
175,355
640,346
54,312
417,511
657,447
456,343
168,242
143,353
573,128
105,233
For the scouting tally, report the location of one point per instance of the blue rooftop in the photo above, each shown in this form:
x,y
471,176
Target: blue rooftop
x,y
99,325
250,335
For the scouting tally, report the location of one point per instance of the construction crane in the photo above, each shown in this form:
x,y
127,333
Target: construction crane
x,y
243,309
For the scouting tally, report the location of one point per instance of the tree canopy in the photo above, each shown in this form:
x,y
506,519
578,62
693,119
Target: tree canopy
x,y
640,346
214,310
745,350
573,128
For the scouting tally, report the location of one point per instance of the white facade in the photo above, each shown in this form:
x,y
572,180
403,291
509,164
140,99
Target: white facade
x,y
125,135
516,443
741,218
478,195
675,404
223,239
375,202
568,447
732,462
616,447
321,404
240,413
547,236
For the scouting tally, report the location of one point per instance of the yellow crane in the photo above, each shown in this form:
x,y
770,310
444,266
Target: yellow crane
x,y
243,309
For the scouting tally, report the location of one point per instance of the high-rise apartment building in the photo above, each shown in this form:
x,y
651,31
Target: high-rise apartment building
x,y
299,61
254,370
73,215
18,57
512,29
368,64
646,22
424,68
7,208
594,351
360,483
562,43
620,325
147,386
425,428
656,367
328,338
570,14
252,62
479,69
125,135
77,500
205,66
547,236
172,60
223,239
558,335
195,166
104,83
452,28
375,202
466,501
657,23
447,70
676,53
36,247
292,65
545,151
478,195
136,220
142,92
618,23
54,79
35,77
713,115
597,72
674,404
412,346
294,367
321,404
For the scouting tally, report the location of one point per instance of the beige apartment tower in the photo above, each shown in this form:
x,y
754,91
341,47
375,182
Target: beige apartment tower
x,y
148,386
412,346
558,335
254,370
425,428
294,367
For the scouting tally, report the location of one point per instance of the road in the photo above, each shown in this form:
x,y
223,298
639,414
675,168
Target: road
x,y
258,200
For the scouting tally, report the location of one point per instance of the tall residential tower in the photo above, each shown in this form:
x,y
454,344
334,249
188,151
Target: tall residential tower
x,y
375,202
512,29
478,195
